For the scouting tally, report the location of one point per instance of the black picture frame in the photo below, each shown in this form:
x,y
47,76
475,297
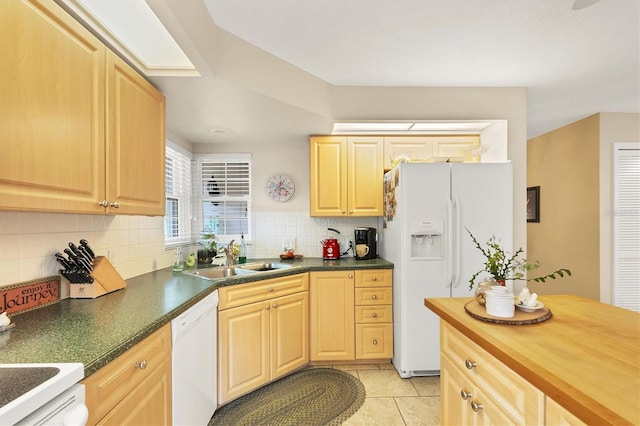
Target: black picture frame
x,y
533,204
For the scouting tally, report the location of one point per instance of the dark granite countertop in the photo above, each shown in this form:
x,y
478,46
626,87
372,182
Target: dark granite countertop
x,y
96,331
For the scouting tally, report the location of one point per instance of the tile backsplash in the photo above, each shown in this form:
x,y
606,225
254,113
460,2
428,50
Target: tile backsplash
x,y
135,244
28,241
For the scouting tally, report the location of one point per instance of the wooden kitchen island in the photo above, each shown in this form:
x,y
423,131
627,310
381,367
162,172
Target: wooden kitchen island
x,y
582,364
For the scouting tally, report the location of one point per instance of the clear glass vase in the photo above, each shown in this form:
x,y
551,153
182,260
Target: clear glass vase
x,y
481,288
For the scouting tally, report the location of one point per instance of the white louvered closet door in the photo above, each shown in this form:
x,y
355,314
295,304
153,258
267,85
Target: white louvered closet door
x,y
626,226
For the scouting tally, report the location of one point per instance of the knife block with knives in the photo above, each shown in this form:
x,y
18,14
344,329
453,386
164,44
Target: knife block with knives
x,y
105,280
90,276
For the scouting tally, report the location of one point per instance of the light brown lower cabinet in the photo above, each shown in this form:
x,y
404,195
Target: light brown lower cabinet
x,y
351,315
263,333
476,388
557,415
332,315
135,388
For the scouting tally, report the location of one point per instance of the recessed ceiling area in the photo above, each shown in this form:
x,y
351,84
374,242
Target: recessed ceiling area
x,y
411,127
573,62
137,33
268,68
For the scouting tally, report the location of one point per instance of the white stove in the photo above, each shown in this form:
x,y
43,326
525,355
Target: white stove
x,y
42,394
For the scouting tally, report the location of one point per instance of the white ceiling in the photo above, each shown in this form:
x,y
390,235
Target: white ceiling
x,y
574,63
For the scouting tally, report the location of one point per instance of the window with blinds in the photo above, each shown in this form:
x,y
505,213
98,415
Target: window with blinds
x,y
626,226
225,195
177,229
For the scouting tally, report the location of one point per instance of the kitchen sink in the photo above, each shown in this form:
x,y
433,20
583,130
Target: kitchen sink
x,y
261,267
217,273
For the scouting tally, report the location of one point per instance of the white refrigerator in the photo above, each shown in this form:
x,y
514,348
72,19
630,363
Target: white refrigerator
x,y
427,208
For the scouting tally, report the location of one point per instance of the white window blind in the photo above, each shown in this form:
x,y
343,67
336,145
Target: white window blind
x,y
225,195
177,220
626,226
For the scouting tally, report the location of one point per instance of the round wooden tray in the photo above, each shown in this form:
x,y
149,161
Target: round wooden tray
x,y
478,311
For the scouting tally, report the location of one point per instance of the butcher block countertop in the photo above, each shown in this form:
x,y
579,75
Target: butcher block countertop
x,y
586,356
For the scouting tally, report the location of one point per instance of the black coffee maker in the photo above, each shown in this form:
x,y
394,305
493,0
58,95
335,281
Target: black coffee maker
x,y
366,243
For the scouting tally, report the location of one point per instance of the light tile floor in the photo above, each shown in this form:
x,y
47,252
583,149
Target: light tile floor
x,y
392,400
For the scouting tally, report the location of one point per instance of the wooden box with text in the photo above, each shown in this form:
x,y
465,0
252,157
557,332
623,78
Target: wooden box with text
x,y
105,280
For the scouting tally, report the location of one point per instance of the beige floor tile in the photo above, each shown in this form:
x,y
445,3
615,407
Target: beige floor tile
x,y
383,383
355,366
427,386
376,411
419,411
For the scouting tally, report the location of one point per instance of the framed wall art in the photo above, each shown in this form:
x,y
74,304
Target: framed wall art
x,y
533,204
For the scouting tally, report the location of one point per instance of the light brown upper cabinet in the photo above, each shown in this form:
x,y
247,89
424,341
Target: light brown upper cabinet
x,y
135,142
430,149
346,176
80,131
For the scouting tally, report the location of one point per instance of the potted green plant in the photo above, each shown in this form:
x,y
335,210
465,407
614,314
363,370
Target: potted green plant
x,y
504,266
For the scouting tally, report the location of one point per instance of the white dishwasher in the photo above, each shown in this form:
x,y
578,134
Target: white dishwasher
x,y
194,363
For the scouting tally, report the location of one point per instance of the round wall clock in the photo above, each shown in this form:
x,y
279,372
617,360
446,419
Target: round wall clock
x,y
280,187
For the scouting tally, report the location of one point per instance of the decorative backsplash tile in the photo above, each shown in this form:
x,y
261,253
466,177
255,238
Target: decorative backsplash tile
x,y
135,244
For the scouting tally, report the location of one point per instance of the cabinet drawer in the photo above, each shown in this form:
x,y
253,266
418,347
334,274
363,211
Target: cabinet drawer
x,y
374,314
373,296
109,385
374,341
519,399
374,278
243,294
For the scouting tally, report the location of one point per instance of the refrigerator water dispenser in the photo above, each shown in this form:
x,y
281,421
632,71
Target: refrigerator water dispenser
x,y
427,241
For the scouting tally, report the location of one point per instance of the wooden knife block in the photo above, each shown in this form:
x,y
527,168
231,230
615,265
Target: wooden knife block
x,y
105,280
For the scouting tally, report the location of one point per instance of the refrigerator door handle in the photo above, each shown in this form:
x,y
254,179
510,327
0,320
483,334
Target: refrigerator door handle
x,y
457,243
449,245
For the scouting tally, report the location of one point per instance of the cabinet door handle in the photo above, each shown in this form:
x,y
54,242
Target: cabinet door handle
x,y
374,297
141,364
465,395
469,364
267,307
375,342
275,306
350,276
115,205
350,211
343,212
270,289
374,279
103,203
476,406
374,315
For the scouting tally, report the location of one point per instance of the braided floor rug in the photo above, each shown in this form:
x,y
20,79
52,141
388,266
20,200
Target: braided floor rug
x,y
317,396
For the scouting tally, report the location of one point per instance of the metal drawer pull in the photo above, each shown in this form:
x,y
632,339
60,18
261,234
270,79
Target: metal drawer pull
x,y
374,279
465,395
270,289
142,364
374,315
469,364
375,342
476,406
374,297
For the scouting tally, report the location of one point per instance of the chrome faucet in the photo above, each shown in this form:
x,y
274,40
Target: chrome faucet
x,y
228,251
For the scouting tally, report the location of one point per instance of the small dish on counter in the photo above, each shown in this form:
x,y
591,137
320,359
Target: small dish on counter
x,y
525,308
